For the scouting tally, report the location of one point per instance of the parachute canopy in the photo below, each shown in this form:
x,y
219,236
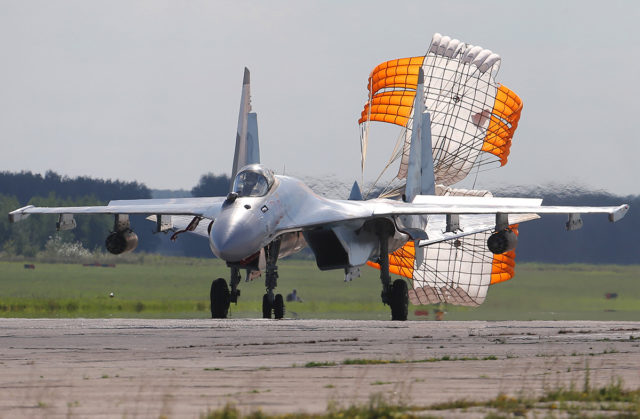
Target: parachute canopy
x,y
473,118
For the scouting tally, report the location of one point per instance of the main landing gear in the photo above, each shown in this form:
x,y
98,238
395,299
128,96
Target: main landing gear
x,y
395,295
222,297
270,302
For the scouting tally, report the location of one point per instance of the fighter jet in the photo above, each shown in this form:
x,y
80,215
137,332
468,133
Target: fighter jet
x,y
267,216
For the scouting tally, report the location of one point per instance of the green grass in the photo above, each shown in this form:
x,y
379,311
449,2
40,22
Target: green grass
x,y
560,292
377,408
176,288
612,399
319,364
157,287
361,361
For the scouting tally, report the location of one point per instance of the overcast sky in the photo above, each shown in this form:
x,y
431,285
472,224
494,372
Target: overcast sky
x,y
150,90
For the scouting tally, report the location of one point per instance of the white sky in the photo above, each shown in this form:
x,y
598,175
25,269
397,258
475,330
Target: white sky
x,y
150,90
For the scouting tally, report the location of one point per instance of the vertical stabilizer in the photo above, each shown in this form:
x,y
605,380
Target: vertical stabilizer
x,y
253,145
428,181
420,178
247,147
356,194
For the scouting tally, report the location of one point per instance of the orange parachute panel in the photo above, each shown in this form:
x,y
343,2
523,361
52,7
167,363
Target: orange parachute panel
x,y
392,106
503,123
402,72
401,262
392,119
503,266
403,82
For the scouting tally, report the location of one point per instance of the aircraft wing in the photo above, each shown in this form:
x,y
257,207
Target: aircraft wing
x,y
203,207
476,213
469,224
425,205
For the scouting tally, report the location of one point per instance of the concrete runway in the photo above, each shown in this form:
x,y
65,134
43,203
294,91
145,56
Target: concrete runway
x,y
182,368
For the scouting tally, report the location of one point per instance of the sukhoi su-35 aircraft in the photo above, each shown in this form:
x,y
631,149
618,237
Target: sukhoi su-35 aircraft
x,y
267,216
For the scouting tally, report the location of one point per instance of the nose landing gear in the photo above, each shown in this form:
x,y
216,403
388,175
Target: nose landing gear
x,y
270,302
276,306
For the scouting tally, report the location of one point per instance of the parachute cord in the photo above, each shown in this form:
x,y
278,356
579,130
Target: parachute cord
x,y
395,155
476,177
364,134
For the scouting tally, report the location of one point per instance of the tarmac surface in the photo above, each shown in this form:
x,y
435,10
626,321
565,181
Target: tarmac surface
x,y
184,368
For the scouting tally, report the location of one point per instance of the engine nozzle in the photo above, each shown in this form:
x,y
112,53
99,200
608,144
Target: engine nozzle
x,y
502,241
120,242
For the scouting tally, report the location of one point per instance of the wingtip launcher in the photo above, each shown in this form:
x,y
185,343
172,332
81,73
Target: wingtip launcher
x,y
19,214
619,213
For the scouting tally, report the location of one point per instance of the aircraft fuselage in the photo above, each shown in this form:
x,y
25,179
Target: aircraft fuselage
x,y
247,224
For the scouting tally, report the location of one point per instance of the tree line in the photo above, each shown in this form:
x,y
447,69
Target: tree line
x,y
26,185
598,241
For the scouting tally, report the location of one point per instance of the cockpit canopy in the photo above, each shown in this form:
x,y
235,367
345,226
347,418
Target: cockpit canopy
x,y
253,180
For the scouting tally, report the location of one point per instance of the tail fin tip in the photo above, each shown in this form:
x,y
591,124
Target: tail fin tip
x,y
246,78
356,194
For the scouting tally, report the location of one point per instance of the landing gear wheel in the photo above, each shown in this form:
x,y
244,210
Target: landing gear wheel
x,y
220,299
278,307
399,300
266,307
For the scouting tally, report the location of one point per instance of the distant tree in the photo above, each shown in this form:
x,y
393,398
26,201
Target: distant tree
x,y
52,189
599,241
25,185
28,237
7,241
212,185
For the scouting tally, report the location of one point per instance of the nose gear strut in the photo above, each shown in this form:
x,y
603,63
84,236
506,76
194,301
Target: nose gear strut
x,y
235,280
270,302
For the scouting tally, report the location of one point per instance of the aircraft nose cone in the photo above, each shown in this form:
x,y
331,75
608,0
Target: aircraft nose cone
x,y
236,236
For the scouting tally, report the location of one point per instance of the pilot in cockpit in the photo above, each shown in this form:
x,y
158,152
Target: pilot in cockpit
x,y
252,182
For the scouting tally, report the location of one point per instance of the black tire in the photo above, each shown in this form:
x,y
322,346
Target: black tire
x,y
266,307
278,306
399,300
220,299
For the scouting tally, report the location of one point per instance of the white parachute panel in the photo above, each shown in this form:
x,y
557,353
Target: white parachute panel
x,y
456,272
460,92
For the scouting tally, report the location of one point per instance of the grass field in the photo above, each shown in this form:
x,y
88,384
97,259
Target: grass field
x,y
179,288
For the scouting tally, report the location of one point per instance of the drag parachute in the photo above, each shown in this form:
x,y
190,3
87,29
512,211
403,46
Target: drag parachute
x,y
458,271
473,118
